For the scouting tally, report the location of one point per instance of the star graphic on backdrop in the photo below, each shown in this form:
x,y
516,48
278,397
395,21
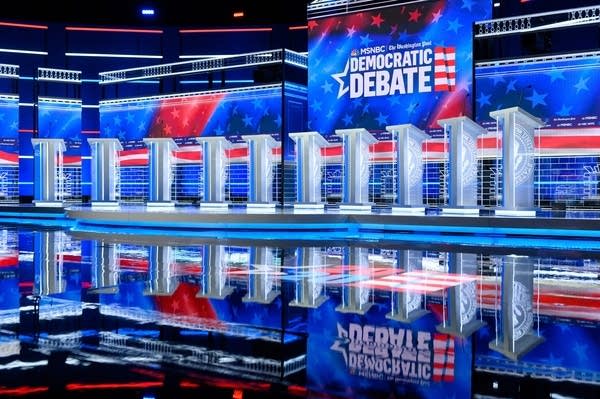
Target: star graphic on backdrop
x,y
365,40
564,327
316,105
564,111
393,29
350,31
551,359
168,130
338,78
511,86
234,111
413,16
347,120
483,100
339,52
218,130
247,120
436,16
329,114
411,107
326,87
454,26
582,84
555,74
382,119
357,102
14,125
129,117
581,351
467,4
107,130
141,126
365,108
266,111
278,121
257,103
394,100
175,113
312,24
185,122
1,117
537,99
377,20
341,342
498,79
403,36
117,121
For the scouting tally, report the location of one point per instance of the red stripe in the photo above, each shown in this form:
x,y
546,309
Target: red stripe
x,y
112,30
71,159
438,50
134,162
332,151
237,152
9,261
9,156
442,75
27,26
440,63
189,155
133,152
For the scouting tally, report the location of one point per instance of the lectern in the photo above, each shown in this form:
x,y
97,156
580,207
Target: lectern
x,y
48,171
105,267
261,279
105,171
308,169
310,286
48,263
407,306
408,141
160,171
355,184
460,318
517,128
214,273
514,330
461,133
260,169
355,298
214,172
162,279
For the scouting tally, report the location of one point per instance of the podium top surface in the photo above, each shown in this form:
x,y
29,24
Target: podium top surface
x,y
267,137
320,140
215,139
365,135
407,127
169,140
60,142
106,140
534,119
470,123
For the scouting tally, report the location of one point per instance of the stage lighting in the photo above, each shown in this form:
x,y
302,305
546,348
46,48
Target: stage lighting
x,y
238,14
148,12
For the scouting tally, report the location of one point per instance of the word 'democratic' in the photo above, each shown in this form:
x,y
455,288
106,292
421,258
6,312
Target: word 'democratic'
x,y
397,69
395,354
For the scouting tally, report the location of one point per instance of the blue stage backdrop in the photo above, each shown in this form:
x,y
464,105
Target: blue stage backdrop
x,y
61,119
401,64
9,147
369,356
563,91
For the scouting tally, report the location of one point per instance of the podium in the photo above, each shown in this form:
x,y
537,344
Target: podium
x,y
48,263
214,172
518,146
260,169
161,277
355,298
105,268
462,154
310,287
261,284
407,306
48,171
160,171
355,195
105,171
408,141
514,333
214,273
460,318
308,168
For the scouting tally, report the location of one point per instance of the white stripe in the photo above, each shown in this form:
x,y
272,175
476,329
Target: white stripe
x,y
439,56
450,56
441,81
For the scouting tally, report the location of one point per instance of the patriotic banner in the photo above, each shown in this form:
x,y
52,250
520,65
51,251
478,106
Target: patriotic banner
x,y
9,123
371,356
408,63
61,119
561,92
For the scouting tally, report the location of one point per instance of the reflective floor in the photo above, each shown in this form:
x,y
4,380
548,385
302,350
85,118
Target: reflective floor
x,y
233,319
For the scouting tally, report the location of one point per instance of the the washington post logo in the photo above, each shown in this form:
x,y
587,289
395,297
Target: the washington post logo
x,y
395,354
397,69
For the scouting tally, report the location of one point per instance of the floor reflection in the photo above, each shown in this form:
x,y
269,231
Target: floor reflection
x,y
91,316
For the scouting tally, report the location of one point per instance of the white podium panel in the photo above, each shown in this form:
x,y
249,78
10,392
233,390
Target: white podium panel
x,y
105,170
160,170
308,167
355,184
260,169
214,273
214,159
48,171
408,306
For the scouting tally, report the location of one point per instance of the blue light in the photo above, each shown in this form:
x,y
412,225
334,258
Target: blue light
x,y
148,11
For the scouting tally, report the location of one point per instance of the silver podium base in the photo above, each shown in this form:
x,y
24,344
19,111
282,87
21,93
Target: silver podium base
x,y
522,346
460,211
408,210
51,204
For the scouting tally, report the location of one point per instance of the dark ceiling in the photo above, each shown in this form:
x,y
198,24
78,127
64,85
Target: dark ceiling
x,y
179,13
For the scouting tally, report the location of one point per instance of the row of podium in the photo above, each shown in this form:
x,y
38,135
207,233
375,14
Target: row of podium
x,y
516,126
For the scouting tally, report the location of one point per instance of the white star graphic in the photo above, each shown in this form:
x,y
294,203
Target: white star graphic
x,y
338,78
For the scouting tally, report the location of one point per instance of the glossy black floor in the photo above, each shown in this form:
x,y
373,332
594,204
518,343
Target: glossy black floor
x,y
97,317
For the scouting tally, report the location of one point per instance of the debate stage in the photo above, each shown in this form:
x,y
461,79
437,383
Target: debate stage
x,y
566,230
